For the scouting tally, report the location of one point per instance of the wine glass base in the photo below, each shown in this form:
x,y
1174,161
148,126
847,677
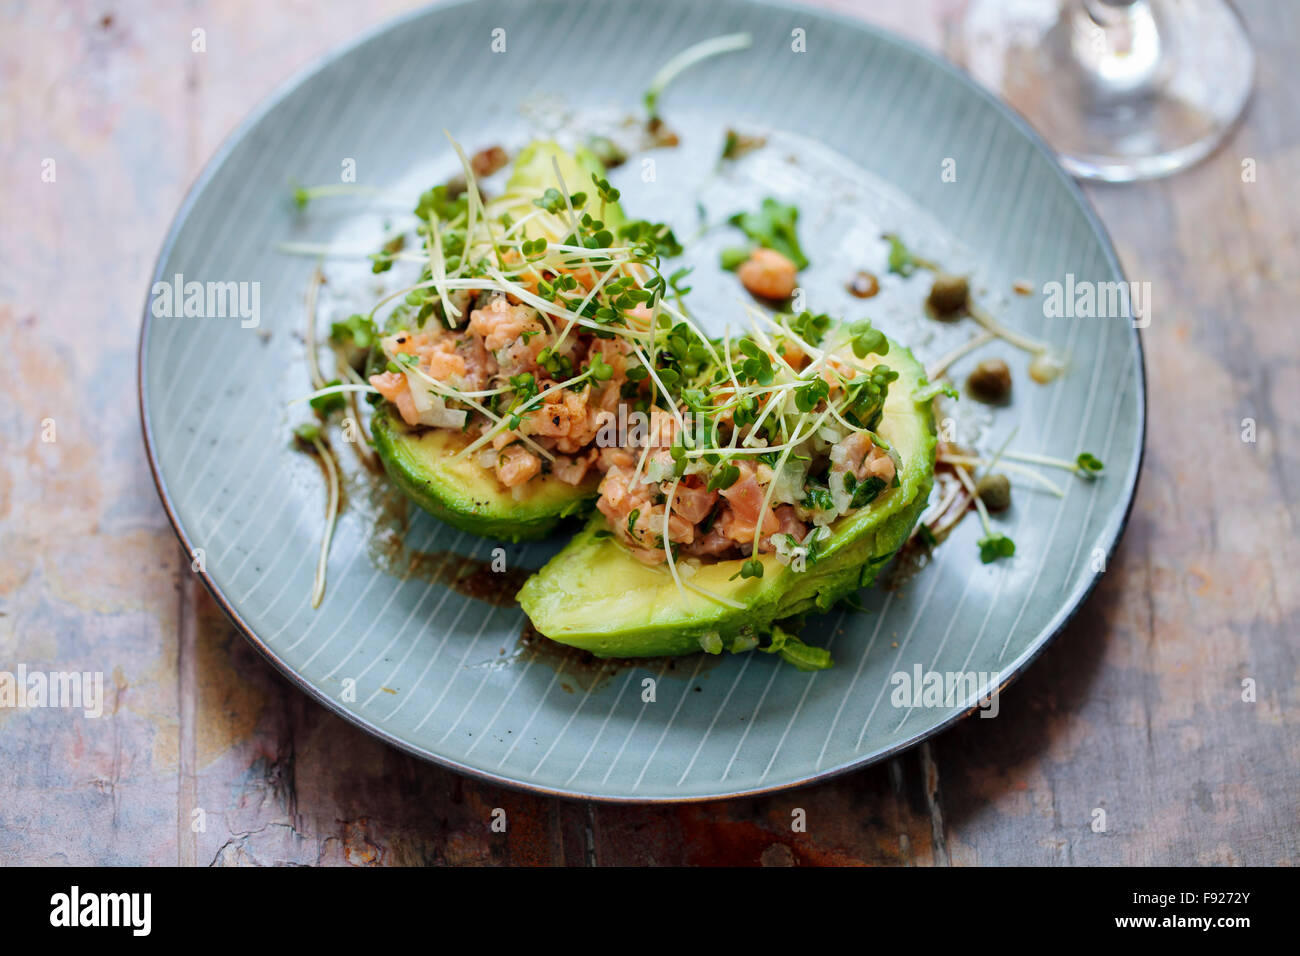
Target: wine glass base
x,y
1145,99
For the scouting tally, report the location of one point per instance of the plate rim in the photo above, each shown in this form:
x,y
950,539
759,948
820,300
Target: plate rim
x,y
1068,610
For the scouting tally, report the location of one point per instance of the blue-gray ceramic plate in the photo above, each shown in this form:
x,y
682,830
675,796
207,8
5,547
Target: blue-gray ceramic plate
x,y
867,134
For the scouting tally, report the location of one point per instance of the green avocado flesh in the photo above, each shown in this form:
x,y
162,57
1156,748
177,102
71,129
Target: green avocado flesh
x,y
534,172
596,596
419,461
465,494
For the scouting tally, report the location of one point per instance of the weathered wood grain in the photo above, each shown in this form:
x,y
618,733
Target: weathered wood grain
x,y
1136,709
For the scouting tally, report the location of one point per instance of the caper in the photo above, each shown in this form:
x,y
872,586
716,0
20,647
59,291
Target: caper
x,y
607,151
995,491
948,295
990,382
864,285
456,187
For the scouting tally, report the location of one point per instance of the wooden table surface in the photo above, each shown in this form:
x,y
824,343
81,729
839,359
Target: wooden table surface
x,y
1136,709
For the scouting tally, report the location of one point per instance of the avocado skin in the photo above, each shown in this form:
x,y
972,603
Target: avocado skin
x,y
452,497
572,599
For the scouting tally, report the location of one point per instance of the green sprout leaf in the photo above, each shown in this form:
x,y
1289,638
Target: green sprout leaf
x,y
934,390
552,201
656,238
383,260
753,568
996,546
724,477
901,260
863,492
773,227
757,366
308,433
1090,466
807,397
809,327
867,339
356,331
606,192
601,370
326,405
439,201
734,257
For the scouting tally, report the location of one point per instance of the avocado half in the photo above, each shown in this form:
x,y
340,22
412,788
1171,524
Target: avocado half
x,y
596,596
419,461
463,493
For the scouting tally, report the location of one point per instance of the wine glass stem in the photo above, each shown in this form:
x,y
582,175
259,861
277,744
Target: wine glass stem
x,y
1117,45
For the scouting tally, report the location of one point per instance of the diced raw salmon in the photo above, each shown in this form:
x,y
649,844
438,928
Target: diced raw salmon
x,y
693,503
392,385
859,454
500,323
516,464
744,502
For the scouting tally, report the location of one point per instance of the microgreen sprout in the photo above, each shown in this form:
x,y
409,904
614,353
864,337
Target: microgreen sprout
x,y
356,331
901,261
1089,466
1086,465
303,195
736,145
733,257
308,432
772,227
686,59
327,402
994,544
310,438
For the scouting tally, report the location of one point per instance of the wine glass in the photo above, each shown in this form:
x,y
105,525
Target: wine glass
x,y
1121,89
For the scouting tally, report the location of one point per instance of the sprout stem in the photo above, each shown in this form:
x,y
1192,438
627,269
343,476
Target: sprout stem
x,y
331,516
688,58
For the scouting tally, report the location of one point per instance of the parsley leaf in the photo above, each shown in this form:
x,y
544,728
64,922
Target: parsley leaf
x,y
326,405
773,227
901,260
724,477
439,200
307,433
356,330
996,546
